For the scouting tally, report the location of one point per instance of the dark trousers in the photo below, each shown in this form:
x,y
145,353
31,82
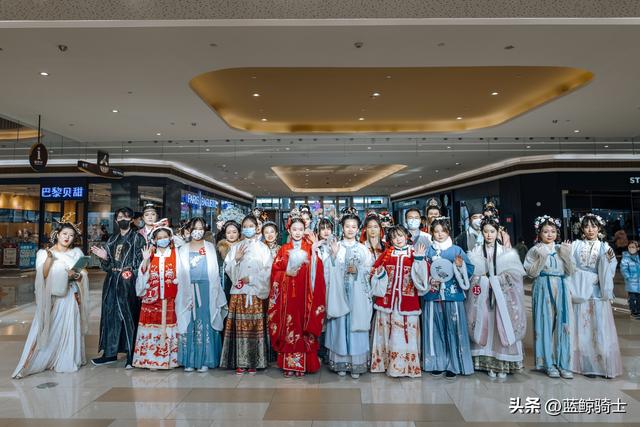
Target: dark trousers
x,y
634,303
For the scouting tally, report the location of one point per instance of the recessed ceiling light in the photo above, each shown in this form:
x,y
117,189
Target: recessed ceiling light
x,y
235,173
528,146
126,151
368,148
207,149
606,146
375,94
114,111
494,93
158,134
437,171
576,131
448,147
361,118
387,77
459,118
44,73
287,148
263,119
458,163
224,166
256,94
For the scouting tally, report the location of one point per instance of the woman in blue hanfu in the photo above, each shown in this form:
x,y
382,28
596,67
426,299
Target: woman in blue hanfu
x,y
550,265
445,341
349,304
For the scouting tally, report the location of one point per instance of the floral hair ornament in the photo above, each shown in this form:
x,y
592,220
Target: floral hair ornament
x,y
229,214
163,224
597,218
385,217
372,214
66,219
442,220
294,214
544,220
349,210
433,203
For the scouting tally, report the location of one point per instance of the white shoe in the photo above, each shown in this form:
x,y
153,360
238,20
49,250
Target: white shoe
x,y
203,369
188,369
502,375
342,373
355,376
128,367
491,374
568,375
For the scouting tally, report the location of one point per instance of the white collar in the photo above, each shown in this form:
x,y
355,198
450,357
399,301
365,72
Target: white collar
x,y
443,246
166,254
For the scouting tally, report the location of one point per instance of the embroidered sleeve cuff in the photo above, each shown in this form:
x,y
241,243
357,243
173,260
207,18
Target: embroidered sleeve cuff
x,y
418,257
384,273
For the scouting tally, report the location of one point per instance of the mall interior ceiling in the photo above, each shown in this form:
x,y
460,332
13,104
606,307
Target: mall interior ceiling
x,y
332,97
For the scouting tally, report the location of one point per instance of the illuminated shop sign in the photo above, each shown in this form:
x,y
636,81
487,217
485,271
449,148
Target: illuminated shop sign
x,y
62,192
199,200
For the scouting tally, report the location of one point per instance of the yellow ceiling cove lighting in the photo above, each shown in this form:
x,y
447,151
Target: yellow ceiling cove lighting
x,y
333,178
416,99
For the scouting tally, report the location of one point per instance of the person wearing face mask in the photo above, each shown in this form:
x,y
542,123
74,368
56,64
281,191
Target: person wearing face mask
x,y
472,236
630,269
412,220
157,284
120,309
596,348
201,305
227,238
248,265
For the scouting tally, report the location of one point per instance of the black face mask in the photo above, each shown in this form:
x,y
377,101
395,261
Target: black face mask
x,y
124,224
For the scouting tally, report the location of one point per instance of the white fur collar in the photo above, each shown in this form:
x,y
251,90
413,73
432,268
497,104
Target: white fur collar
x,y
442,246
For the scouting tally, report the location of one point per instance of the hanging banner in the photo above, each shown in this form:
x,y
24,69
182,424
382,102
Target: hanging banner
x,y
27,255
101,167
38,157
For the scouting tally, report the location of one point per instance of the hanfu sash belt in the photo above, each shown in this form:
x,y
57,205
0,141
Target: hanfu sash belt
x,y
406,332
502,310
561,291
197,297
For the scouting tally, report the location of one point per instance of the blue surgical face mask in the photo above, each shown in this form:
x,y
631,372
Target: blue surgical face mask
x,y
163,243
413,223
249,232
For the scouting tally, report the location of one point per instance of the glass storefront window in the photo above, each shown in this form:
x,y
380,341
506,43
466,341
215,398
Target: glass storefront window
x,y
19,218
154,195
198,204
99,217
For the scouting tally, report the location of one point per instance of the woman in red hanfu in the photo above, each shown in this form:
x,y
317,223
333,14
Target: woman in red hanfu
x,y
156,341
296,302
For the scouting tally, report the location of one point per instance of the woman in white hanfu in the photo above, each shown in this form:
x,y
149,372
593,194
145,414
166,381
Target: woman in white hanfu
x,y
595,347
56,337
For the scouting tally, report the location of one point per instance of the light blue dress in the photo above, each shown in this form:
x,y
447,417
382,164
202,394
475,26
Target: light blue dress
x,y
552,315
349,350
445,337
201,345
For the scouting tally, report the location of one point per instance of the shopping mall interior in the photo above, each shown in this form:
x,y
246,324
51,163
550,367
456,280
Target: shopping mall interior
x,y
216,109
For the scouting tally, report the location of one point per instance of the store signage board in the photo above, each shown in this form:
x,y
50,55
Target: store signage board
x,y
101,167
634,180
62,193
38,157
199,200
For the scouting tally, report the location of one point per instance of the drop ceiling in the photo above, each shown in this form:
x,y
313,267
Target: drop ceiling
x,y
143,73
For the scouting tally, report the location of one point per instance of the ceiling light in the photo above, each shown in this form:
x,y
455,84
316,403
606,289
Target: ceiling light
x,y
44,73
448,147
576,131
368,148
387,77
437,171
126,151
263,119
158,134
458,163
494,93
606,146
287,148
207,149
224,166
114,111
361,118
256,94
375,94
458,118
528,146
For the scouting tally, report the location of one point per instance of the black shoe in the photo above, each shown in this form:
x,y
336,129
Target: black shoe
x,y
450,375
590,375
104,360
437,373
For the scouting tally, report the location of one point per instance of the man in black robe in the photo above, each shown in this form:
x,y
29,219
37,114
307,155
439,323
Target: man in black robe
x,y
120,305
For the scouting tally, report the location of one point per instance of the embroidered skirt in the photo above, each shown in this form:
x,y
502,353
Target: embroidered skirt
x,y
395,345
156,347
245,342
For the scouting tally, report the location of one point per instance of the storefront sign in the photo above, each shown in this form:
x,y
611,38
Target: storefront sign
x,y
38,157
199,200
101,168
9,255
634,180
62,193
27,253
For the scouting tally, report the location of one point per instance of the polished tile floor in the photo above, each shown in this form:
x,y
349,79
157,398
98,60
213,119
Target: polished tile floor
x,y
115,397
